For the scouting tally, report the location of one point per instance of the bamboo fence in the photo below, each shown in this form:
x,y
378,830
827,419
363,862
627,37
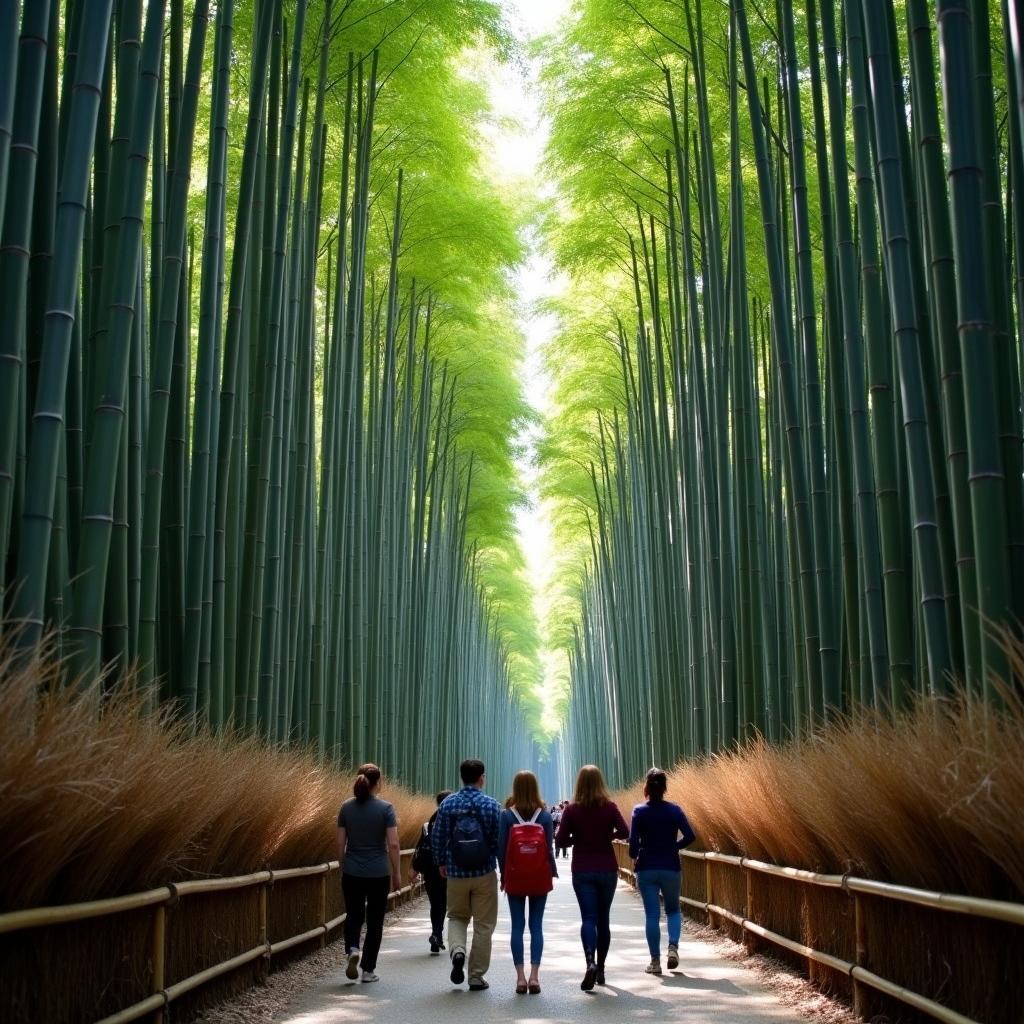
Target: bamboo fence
x,y
856,889
744,870
160,899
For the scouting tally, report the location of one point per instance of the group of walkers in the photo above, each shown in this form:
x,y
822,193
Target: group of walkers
x,y
556,816
471,847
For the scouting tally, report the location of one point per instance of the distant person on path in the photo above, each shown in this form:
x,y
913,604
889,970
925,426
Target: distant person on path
x,y
465,844
556,816
423,865
654,845
527,861
369,852
589,824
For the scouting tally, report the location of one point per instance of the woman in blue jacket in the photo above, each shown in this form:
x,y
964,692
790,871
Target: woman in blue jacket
x,y
658,832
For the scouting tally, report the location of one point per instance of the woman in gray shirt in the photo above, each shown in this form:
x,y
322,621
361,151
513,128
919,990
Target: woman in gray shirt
x,y
369,852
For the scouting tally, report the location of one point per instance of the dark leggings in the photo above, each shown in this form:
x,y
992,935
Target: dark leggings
x,y
595,891
437,893
366,899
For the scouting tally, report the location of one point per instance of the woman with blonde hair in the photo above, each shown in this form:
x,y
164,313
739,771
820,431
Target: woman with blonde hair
x,y
589,824
526,860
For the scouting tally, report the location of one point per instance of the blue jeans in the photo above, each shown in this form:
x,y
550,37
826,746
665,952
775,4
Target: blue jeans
x,y
595,891
652,884
517,912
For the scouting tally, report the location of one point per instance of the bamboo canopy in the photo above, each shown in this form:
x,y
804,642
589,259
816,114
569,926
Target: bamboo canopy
x,y
260,395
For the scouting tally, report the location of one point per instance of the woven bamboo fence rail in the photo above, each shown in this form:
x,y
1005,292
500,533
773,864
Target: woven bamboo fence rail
x,y
160,899
854,888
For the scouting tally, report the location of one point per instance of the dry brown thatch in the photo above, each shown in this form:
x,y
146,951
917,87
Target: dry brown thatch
x,y
932,796
103,800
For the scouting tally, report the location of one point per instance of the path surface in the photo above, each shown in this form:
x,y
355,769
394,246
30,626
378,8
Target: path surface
x,y
415,989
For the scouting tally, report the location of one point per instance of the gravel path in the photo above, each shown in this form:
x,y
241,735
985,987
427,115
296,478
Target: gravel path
x,y
414,986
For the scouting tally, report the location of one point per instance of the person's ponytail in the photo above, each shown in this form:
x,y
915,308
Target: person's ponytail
x,y
367,777
655,785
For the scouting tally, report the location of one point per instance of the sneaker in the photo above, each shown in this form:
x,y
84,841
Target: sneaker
x,y
478,985
458,967
352,970
673,958
654,967
600,976
435,944
589,978
369,976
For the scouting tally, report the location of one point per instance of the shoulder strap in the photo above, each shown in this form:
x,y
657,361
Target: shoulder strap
x,y
522,820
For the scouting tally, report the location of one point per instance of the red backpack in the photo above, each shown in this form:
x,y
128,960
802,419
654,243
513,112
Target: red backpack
x,y
527,859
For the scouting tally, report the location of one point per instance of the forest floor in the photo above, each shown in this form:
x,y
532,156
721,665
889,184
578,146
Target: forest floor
x,y
715,981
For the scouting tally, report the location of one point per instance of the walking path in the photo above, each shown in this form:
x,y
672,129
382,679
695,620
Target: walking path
x,y
415,989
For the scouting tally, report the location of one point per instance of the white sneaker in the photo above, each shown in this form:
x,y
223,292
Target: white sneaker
x,y
369,976
654,967
352,970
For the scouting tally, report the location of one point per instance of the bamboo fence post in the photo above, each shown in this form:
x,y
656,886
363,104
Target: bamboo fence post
x,y
861,955
749,940
159,955
805,938
263,963
323,905
682,886
708,889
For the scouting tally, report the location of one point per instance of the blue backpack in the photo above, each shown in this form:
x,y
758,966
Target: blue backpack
x,y
470,849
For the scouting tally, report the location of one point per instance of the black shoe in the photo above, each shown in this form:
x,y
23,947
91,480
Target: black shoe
x,y
600,976
435,944
458,968
478,985
589,978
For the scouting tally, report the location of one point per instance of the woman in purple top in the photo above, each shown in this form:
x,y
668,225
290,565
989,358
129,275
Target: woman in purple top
x,y
588,825
654,845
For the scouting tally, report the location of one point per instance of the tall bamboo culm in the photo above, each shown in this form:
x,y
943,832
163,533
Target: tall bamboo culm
x,y
233,463
805,481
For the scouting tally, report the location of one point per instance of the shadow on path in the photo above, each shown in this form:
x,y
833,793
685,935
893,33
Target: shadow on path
x,y
414,986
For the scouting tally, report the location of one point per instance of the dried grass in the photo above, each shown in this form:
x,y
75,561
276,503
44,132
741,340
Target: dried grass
x,y
930,797
98,798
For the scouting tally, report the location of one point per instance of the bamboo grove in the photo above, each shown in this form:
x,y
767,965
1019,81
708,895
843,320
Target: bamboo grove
x,y
241,451
788,426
